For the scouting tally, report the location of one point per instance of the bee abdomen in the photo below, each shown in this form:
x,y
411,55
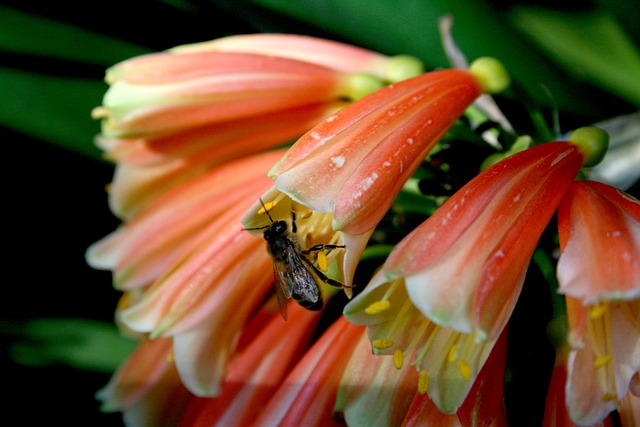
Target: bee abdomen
x,y
309,305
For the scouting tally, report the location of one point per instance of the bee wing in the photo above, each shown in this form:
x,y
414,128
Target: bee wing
x,y
282,277
305,283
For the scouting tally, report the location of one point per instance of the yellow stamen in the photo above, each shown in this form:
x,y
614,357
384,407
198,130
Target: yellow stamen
x,y
267,207
602,360
306,214
171,357
608,396
398,359
465,370
423,382
453,353
377,307
124,301
323,262
382,343
598,310
599,336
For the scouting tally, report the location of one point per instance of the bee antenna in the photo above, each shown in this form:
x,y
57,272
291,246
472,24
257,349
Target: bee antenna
x,y
265,209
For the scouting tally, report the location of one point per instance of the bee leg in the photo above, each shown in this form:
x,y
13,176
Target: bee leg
x,y
294,227
326,279
257,228
321,275
322,247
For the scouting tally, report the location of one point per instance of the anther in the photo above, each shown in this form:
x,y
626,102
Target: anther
x,y
382,343
377,307
423,382
601,361
465,370
453,353
398,359
267,207
323,262
306,214
598,310
608,396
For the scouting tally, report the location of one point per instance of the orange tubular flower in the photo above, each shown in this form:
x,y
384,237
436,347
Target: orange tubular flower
x,y
148,166
308,394
169,115
355,162
142,247
256,373
555,410
447,290
484,406
599,272
208,274
328,53
204,298
373,393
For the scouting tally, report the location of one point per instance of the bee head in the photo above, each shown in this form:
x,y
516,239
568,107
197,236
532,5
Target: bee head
x,y
278,228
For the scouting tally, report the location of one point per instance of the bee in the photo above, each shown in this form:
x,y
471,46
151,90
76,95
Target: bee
x,y
295,275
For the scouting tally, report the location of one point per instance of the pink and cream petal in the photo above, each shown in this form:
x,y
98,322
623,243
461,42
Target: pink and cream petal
x,y
373,392
600,239
149,167
328,53
145,245
255,374
315,170
486,232
308,394
604,362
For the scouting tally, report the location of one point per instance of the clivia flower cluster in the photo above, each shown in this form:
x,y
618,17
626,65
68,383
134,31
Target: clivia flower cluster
x,y
202,180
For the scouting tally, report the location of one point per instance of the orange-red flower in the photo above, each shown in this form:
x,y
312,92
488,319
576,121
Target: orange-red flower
x,y
354,163
483,406
308,394
447,289
168,116
339,56
256,373
148,166
599,272
141,248
191,272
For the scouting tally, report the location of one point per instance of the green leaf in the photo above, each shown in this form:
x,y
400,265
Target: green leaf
x,y
411,27
53,109
376,251
589,45
32,35
79,343
414,202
